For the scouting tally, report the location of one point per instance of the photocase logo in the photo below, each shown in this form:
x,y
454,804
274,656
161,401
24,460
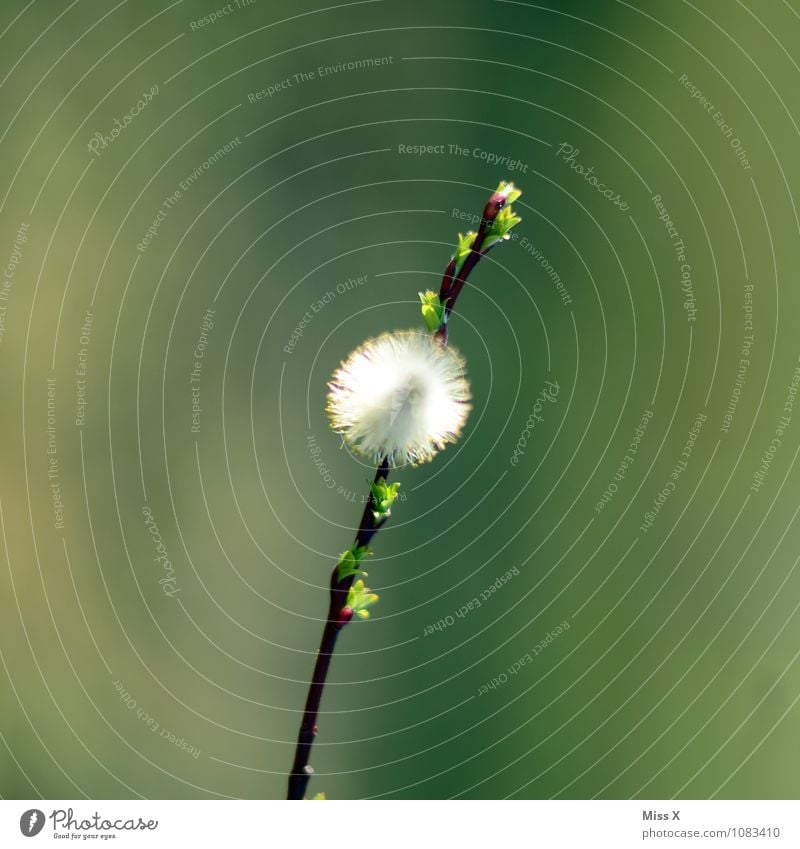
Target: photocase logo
x,y
31,822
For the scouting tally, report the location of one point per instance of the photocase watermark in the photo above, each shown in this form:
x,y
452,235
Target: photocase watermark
x,y
548,395
53,468
101,141
474,604
67,826
183,186
679,249
548,269
626,462
495,160
315,450
9,272
199,353
321,466
784,420
152,723
31,822
719,119
743,366
320,72
528,246
168,582
681,465
318,305
569,155
525,659
80,368
223,12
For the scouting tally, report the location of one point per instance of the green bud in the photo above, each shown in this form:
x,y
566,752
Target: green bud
x,y
432,310
500,228
359,598
508,192
384,496
465,243
350,560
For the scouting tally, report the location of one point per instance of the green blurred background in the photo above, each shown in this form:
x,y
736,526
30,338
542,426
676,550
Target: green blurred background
x,y
267,188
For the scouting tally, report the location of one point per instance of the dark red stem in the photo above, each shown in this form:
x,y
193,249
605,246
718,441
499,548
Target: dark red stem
x,y
338,614
337,619
451,286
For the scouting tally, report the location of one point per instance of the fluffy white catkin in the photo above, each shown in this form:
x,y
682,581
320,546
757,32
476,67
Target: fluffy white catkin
x,y
401,396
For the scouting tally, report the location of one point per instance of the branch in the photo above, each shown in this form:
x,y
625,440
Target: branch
x,y
451,286
337,619
490,232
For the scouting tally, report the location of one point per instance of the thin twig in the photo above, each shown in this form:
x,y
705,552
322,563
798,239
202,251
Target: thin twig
x,y
301,771
451,287
337,610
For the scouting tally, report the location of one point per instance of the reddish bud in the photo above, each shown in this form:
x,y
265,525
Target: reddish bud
x,y
345,615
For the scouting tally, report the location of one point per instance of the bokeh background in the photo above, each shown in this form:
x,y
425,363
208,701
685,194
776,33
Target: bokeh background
x,y
177,288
